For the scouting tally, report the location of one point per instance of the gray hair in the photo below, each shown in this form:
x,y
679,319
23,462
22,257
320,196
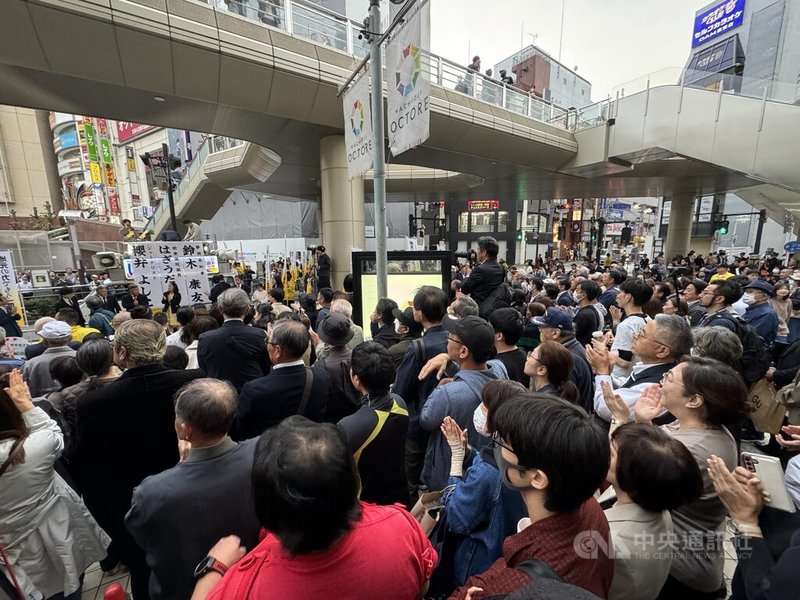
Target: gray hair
x,y
292,336
233,303
464,307
208,405
145,340
93,302
343,307
719,343
674,332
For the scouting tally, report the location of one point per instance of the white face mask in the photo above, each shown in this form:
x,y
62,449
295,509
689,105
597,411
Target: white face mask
x,y
576,296
749,299
479,420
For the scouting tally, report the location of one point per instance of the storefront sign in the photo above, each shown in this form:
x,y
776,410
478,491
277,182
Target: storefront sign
x,y
483,205
97,174
113,200
127,130
66,140
717,20
105,150
91,142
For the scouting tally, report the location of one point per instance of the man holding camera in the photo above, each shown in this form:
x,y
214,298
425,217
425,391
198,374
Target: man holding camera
x,y
487,274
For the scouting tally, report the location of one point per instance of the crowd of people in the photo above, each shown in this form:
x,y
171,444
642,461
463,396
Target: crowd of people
x,y
537,431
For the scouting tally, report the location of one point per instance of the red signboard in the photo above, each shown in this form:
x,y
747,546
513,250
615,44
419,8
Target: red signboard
x,y
483,205
126,130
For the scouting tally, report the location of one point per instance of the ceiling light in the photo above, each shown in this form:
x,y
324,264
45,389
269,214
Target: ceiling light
x,y
159,98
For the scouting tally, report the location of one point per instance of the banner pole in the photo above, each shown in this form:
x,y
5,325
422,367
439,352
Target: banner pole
x,y
379,146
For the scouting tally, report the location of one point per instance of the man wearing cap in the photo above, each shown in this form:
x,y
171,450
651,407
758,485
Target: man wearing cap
x,y
722,274
409,331
759,314
470,343
56,336
556,325
343,398
323,268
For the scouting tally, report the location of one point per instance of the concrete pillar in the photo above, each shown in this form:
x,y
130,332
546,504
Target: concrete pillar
x,y
342,207
679,230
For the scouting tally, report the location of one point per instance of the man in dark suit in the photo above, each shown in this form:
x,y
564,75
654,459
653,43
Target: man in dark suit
x,y
134,298
125,432
323,268
291,388
67,299
235,352
169,516
109,302
9,317
488,274
220,285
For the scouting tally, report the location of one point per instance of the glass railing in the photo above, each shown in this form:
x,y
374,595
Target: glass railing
x,y
313,22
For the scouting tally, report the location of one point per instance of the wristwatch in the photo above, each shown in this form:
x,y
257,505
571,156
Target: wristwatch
x,y
738,529
209,563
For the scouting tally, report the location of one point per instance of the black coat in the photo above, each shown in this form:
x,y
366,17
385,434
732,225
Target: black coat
x,y
173,305
125,431
267,401
9,323
217,290
787,365
111,303
235,352
483,280
128,301
74,305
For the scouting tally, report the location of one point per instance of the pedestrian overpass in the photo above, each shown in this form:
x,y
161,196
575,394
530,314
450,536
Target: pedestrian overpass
x,y
270,77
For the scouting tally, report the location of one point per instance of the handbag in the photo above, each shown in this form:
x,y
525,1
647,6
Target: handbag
x,y
788,398
768,412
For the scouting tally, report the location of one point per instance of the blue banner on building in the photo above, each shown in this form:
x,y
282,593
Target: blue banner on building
x,y
717,20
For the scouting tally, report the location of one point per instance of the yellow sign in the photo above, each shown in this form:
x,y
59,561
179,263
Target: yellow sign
x,y
131,165
111,179
97,176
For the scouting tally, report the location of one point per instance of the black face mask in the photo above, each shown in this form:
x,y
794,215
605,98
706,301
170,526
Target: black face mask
x,y
503,466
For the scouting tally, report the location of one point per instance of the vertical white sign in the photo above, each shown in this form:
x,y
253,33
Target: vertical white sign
x,y
408,87
157,264
358,127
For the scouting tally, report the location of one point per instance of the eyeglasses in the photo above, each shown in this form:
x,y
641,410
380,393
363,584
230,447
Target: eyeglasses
x,y
642,334
497,442
668,376
455,341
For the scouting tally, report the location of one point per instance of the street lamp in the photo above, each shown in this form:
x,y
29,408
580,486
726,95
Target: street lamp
x,y
168,163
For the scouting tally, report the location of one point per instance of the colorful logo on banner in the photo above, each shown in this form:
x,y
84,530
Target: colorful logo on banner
x,y
408,70
358,136
407,86
357,118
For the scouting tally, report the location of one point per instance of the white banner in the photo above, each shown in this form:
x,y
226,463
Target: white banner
x,y
9,286
407,85
155,264
358,127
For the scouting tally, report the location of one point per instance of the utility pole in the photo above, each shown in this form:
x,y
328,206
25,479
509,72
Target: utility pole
x,y
762,219
379,146
170,199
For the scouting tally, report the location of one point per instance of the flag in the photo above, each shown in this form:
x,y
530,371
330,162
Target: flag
x,y
358,127
408,87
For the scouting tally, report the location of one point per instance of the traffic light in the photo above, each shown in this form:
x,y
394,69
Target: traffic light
x,y
519,236
562,233
722,227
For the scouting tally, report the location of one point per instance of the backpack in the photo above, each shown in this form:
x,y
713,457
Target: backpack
x,y
499,298
755,359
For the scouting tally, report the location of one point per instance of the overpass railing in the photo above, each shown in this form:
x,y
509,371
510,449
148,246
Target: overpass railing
x,y
764,90
320,25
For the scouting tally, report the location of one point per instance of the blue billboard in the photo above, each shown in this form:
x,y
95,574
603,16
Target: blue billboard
x,y
717,20
67,139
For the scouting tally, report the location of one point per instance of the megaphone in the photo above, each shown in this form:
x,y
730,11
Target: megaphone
x,y
107,260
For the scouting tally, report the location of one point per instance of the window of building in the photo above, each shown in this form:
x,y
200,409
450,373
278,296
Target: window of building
x,y
502,221
482,222
463,222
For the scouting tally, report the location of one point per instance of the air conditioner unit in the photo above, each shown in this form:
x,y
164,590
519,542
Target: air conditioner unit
x,y
107,260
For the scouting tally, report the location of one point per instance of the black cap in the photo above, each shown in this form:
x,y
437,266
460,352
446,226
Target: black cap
x,y
321,248
406,317
475,333
335,330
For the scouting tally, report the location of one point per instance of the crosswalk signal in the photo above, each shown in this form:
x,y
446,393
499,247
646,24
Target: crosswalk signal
x,y
519,236
722,227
